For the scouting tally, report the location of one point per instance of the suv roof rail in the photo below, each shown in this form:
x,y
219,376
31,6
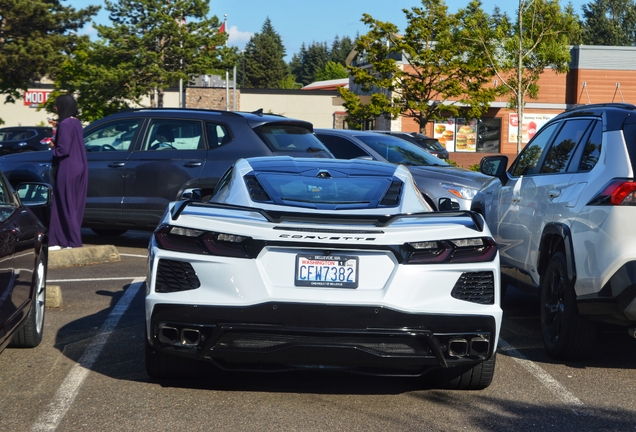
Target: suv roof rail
x,y
233,113
603,105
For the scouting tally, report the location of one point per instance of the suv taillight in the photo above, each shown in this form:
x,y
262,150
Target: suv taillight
x,y
617,192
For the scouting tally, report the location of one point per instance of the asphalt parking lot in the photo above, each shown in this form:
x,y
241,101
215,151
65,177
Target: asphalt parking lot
x,y
89,373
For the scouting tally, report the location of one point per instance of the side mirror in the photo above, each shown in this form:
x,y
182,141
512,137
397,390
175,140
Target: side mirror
x,y
191,194
34,194
495,166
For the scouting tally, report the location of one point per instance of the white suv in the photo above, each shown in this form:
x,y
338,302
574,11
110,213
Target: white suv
x,y
564,217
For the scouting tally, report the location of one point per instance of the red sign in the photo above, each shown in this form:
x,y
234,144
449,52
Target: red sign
x,y
33,98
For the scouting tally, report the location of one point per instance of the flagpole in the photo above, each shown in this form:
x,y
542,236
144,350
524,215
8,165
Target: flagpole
x,y
227,73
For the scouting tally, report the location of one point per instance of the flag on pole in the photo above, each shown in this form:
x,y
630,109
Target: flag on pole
x,y
222,28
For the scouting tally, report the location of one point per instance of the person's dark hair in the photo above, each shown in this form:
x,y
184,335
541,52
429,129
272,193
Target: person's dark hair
x,y
66,107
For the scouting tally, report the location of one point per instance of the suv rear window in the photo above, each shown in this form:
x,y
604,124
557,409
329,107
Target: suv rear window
x,y
290,139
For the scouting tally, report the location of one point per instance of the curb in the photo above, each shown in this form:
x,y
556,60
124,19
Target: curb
x,y
53,296
86,255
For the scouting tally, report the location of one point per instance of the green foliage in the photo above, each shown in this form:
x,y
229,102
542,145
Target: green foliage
x,y
340,49
34,37
151,45
289,82
309,61
331,70
358,113
318,63
519,52
609,22
435,69
264,65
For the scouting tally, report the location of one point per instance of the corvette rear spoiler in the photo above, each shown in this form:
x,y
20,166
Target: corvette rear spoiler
x,y
477,222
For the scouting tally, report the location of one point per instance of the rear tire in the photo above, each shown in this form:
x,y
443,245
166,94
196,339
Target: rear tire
x,y
566,335
476,377
30,333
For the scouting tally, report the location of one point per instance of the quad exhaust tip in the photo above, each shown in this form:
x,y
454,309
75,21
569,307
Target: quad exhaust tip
x,y
461,347
184,337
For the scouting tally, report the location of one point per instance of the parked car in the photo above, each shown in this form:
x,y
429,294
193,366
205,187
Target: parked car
x,y
431,145
140,160
562,215
444,186
23,253
322,264
18,139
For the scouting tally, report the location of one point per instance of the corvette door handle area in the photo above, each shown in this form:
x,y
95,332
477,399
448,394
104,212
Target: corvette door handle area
x,y
554,193
192,164
116,165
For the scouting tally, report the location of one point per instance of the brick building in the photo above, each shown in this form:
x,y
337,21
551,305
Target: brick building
x,y
598,74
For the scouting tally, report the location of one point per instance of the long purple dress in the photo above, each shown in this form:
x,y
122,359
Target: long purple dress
x,y
71,183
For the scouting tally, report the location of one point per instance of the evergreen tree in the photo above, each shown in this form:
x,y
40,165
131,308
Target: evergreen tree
x,y
340,49
434,69
609,22
265,66
35,35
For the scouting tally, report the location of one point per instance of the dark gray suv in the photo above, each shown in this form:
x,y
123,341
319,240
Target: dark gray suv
x,y
140,160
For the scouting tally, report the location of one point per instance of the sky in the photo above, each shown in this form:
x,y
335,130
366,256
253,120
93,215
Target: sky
x,y
298,21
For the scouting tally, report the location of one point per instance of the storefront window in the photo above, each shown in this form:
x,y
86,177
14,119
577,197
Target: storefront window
x,y
469,135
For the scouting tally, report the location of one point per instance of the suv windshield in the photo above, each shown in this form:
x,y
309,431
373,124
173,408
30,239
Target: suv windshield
x,y
398,151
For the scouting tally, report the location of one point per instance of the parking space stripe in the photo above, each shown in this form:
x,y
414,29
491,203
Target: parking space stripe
x,y
65,395
574,403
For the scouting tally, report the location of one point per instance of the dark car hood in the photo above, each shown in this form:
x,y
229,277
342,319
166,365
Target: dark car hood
x,y
451,174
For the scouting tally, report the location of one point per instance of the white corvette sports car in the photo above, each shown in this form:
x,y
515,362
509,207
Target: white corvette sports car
x,y
326,264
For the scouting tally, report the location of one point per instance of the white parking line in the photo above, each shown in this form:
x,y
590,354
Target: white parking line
x,y
574,403
65,395
134,255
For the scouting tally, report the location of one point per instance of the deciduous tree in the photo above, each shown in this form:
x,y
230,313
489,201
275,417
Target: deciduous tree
x,y
434,69
520,51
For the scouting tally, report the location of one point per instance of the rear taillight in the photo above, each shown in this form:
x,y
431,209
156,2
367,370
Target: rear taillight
x,y
617,192
480,249
201,242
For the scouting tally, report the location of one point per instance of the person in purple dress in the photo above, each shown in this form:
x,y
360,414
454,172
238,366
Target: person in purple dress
x,y
70,170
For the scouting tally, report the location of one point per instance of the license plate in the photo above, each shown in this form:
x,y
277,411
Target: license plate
x,y
327,271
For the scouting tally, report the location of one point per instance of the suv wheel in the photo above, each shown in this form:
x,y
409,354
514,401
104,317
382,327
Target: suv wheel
x,y
566,335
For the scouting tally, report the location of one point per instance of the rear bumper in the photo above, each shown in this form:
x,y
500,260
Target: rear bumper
x,y
615,303
287,336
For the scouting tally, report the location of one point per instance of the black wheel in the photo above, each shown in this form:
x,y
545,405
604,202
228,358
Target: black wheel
x,y
104,232
476,377
566,335
30,333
